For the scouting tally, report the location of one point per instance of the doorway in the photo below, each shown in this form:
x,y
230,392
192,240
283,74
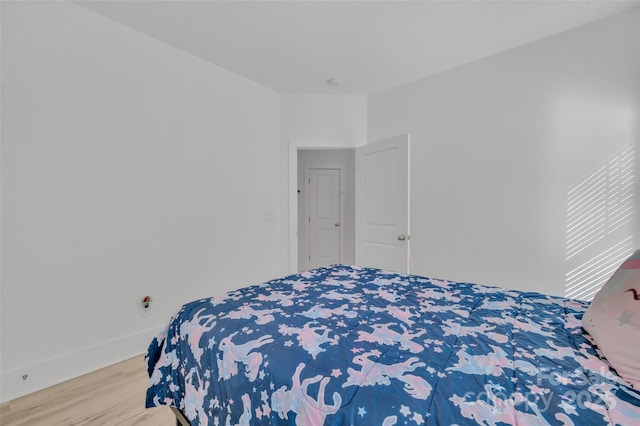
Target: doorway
x,y
326,207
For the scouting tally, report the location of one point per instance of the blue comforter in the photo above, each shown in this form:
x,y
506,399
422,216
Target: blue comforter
x,y
345,345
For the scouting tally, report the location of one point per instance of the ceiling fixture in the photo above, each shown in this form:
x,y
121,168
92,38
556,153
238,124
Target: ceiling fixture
x,y
334,82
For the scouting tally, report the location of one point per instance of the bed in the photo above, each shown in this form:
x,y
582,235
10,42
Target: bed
x,y
345,345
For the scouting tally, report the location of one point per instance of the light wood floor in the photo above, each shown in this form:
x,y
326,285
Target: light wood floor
x,y
111,396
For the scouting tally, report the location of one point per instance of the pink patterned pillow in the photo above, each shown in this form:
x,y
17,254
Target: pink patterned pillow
x,y
613,320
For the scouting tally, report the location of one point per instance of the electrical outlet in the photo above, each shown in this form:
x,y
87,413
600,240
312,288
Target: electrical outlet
x,y
145,306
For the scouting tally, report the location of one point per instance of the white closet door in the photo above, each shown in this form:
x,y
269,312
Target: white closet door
x,y
324,217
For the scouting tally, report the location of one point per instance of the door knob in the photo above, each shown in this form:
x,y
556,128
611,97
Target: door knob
x,y
336,225
402,237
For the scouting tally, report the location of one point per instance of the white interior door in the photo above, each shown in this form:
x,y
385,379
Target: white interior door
x,y
382,204
324,217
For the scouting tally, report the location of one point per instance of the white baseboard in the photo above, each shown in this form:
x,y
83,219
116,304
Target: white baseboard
x,y
58,369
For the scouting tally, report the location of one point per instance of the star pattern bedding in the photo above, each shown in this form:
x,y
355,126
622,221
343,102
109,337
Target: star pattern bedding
x,y
344,345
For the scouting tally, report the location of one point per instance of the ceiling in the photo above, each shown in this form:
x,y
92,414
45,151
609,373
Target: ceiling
x,y
371,46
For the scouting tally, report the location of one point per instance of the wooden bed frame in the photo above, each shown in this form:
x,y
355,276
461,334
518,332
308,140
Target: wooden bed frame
x,y
181,419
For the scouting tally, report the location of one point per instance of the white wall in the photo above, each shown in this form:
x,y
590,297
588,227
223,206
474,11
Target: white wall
x,y
128,168
324,121
315,121
497,143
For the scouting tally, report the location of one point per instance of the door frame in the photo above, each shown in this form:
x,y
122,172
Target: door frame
x,y
294,146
